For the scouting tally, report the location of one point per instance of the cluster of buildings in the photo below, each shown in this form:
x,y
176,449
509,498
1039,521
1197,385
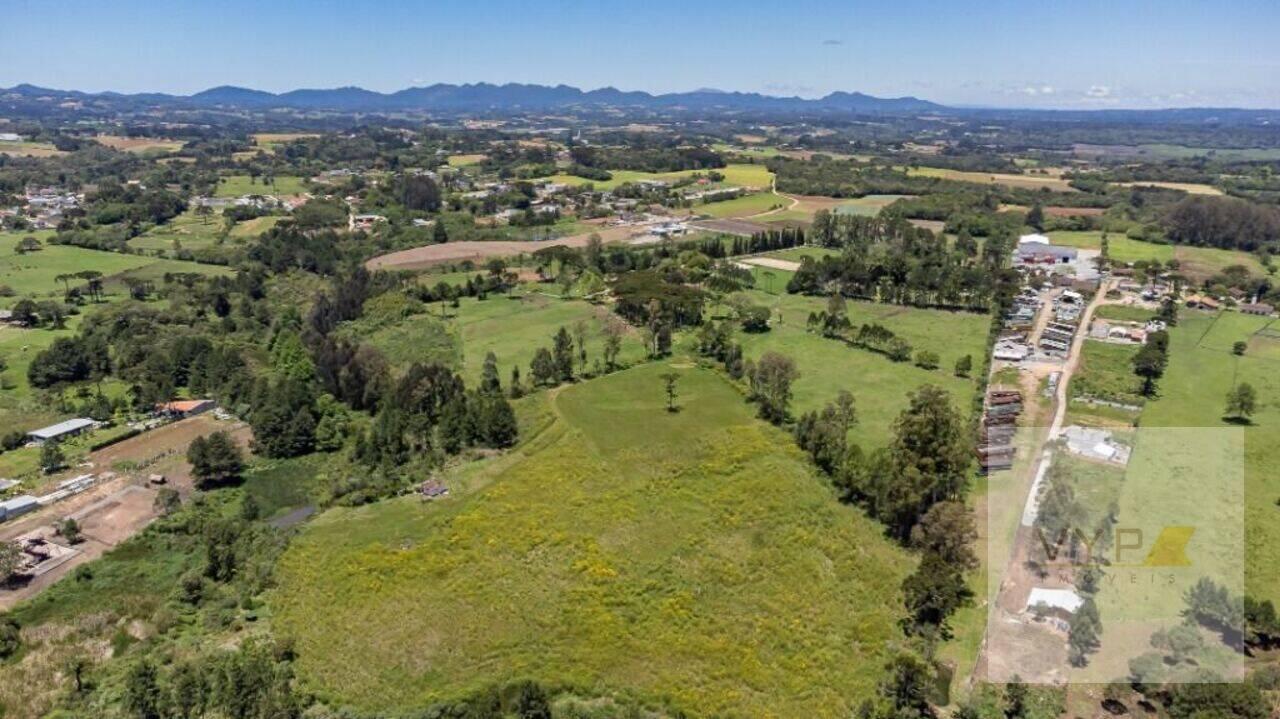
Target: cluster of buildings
x,y
1124,332
1018,322
258,202
1060,332
45,207
999,425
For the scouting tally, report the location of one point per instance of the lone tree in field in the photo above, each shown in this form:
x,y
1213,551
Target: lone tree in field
x,y
1242,402
1083,637
51,457
771,380
1150,361
10,636
215,460
669,379
964,366
1035,217
10,561
69,529
612,344
1238,348
489,381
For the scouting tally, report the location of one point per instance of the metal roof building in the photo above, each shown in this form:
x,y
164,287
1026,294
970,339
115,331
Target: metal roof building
x,y
68,428
17,506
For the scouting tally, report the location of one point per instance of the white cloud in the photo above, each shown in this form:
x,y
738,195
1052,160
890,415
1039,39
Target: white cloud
x,y
1098,91
1038,90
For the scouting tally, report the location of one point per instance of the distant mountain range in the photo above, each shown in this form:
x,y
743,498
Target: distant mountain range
x,y
487,97
514,98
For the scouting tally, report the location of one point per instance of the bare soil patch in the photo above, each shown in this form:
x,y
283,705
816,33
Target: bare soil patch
x,y
771,262
744,228
1074,211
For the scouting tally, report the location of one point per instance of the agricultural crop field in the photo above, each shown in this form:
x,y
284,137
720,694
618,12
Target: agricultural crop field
x,y
1031,181
30,149
691,556
465,160
868,206
140,145
1161,152
273,140
1191,188
743,206
239,185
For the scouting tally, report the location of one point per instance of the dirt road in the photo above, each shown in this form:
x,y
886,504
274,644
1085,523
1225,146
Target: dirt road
x,y
999,655
118,507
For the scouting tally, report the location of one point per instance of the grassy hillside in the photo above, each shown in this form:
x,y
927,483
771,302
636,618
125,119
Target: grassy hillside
x,y
692,557
513,328
34,274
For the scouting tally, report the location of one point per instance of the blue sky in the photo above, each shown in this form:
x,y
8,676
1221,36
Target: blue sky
x,y
1032,53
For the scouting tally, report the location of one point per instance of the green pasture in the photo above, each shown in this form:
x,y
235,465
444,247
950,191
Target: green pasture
x,y
738,175
1192,394
690,556
879,384
742,206
1106,372
868,206
238,185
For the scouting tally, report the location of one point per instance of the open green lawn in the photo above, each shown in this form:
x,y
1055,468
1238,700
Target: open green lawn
x,y
1032,181
738,175
742,206
466,160
34,274
796,254
879,384
513,328
1106,372
237,185
254,227
1196,262
30,149
1120,247
20,407
868,206
1192,394
692,558
1123,313
187,231
1159,151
